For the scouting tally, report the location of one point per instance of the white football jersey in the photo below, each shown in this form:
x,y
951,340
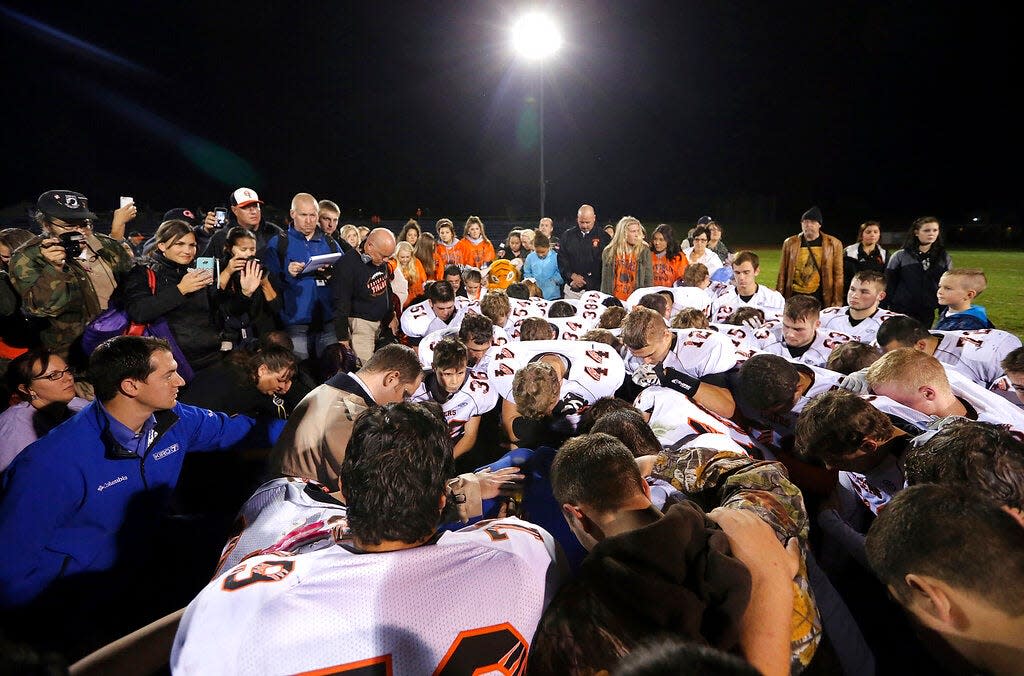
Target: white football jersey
x,y
990,407
768,300
695,352
277,508
743,337
774,428
976,354
864,330
425,350
475,397
816,355
595,370
428,609
1003,386
676,418
419,319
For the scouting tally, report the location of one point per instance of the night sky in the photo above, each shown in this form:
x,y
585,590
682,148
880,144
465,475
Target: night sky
x,y
664,110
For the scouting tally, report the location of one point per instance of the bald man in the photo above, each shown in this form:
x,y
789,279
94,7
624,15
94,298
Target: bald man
x,y
307,311
362,294
579,257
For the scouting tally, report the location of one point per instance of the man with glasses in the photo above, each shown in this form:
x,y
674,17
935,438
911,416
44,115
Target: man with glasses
x,y
68,274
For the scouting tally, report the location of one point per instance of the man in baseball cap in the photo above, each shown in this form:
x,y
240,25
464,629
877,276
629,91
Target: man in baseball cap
x,y
66,205
245,206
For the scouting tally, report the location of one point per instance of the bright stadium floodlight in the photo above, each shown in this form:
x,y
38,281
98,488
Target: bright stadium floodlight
x,y
535,37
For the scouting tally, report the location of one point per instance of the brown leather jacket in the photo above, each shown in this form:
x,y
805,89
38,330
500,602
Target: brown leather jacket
x,y
830,268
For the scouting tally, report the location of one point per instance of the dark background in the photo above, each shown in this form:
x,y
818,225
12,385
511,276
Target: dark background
x,y
749,111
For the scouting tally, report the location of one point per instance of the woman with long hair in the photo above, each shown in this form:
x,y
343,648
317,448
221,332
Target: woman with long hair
x,y
699,252
865,253
626,261
409,275
446,249
410,232
348,237
424,249
45,389
182,294
249,304
912,274
474,247
667,259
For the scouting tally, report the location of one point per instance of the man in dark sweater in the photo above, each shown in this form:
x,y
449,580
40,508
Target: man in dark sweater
x,y
362,294
579,257
246,212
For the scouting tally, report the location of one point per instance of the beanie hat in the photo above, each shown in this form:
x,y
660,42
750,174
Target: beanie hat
x,y
812,214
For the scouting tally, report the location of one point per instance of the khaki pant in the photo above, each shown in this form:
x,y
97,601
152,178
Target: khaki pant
x,y
363,334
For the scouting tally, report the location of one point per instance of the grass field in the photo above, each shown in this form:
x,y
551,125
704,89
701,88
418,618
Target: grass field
x,y
1003,300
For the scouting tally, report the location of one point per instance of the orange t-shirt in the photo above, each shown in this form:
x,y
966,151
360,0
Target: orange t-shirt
x,y
477,255
667,271
626,266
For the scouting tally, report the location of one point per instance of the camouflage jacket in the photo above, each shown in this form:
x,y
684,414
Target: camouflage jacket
x,y
65,296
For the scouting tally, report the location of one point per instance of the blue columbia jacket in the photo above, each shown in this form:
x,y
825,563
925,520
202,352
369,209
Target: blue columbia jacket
x,y
545,271
68,498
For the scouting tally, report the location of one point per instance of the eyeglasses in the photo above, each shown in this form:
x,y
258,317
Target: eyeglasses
x,y
55,375
700,239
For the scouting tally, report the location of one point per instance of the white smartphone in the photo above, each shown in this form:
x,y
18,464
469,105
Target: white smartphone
x,y
127,200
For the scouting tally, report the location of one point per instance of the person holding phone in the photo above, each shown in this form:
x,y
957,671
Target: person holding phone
x,y
183,295
248,302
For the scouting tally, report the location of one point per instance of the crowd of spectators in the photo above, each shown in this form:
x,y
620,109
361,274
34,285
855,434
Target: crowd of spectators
x,y
315,447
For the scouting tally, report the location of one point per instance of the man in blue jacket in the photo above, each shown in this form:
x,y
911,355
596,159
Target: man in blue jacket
x,y
88,498
308,312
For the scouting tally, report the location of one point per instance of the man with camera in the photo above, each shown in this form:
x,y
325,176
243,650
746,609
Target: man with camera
x,y
68,274
308,313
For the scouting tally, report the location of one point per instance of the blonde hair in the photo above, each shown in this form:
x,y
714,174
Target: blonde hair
x,y
972,279
536,389
618,244
409,269
909,367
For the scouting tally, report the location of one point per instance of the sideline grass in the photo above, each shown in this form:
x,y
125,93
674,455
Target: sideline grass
x,y
1003,299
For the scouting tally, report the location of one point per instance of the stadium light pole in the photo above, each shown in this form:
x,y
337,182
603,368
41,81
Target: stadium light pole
x,y
535,37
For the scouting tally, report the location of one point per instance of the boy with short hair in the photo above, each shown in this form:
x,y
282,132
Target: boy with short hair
x,y
957,290
542,266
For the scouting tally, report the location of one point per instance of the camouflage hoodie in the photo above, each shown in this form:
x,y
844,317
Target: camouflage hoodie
x,y
65,296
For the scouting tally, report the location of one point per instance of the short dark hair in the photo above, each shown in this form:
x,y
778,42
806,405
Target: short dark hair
x,y
536,328
954,535
119,358
743,313
801,306
394,357
440,291
452,270
835,424
596,470
1013,361
449,353
852,356
679,657
747,256
872,276
394,473
601,407
628,426
476,328
768,382
972,455
654,301
541,241
906,331
561,308
517,290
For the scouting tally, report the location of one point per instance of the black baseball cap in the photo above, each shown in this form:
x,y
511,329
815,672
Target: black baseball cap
x,y
67,205
187,215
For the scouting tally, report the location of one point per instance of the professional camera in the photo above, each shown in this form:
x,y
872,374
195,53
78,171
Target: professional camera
x,y
73,243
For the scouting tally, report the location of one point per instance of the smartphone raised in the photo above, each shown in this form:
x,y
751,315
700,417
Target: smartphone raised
x,y
125,201
221,215
208,263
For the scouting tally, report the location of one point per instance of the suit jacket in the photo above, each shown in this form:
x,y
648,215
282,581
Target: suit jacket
x,y
830,268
